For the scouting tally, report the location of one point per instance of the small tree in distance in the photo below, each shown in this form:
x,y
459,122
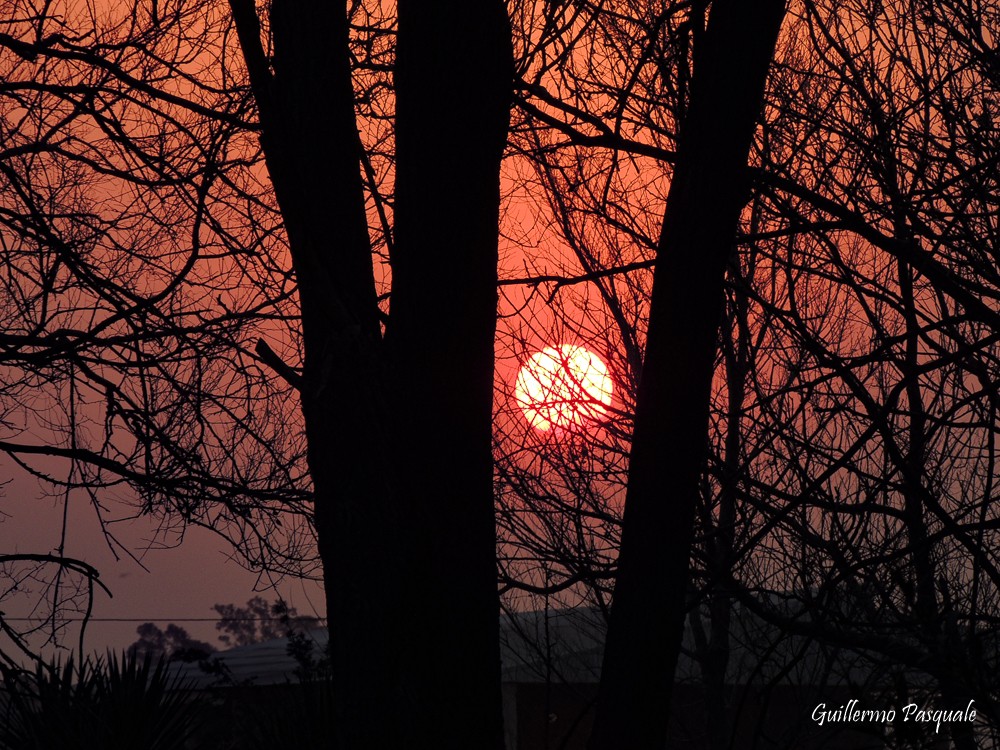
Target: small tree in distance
x,y
259,621
172,644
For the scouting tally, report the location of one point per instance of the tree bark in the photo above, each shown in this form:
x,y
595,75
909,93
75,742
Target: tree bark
x,y
709,189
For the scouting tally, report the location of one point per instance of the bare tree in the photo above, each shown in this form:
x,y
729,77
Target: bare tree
x,y
150,267
176,312
870,170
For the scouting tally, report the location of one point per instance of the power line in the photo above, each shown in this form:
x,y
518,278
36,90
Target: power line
x,y
161,619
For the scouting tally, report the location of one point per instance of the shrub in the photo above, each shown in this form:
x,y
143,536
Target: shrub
x,y
106,704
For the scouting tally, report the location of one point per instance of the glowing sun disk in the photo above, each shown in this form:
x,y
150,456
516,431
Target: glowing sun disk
x,y
567,387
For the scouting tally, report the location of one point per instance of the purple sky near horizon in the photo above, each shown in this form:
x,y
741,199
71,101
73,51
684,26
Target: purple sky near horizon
x,y
179,584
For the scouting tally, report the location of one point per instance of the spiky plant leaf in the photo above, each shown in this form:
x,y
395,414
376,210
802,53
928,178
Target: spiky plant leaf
x,y
110,704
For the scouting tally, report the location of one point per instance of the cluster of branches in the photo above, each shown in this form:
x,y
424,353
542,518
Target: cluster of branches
x,y
200,201
195,224
141,262
848,498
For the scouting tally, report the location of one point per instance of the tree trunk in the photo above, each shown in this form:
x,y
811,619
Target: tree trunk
x,y
454,77
709,188
313,149
398,427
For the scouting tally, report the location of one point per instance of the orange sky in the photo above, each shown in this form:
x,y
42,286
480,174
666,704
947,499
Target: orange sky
x,y
184,582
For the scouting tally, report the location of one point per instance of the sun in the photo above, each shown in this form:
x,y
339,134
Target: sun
x,y
563,387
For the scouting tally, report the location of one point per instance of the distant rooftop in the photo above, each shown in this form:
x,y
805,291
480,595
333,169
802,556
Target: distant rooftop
x,y
566,646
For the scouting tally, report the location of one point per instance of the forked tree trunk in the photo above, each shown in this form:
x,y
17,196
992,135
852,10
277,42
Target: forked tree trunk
x,y
398,426
709,188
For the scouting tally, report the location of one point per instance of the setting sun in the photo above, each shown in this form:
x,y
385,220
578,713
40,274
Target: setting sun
x,y
564,387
